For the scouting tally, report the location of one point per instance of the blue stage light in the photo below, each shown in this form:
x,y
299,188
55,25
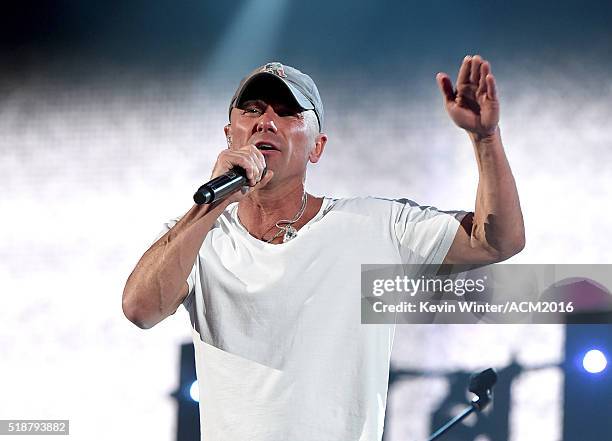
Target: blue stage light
x,y
594,361
194,391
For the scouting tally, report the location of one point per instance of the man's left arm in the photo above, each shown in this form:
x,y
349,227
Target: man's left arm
x,y
495,231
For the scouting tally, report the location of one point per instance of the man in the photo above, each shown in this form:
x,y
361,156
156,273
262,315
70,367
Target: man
x,y
271,276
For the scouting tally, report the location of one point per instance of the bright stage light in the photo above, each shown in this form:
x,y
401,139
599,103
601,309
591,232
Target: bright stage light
x,y
594,361
194,392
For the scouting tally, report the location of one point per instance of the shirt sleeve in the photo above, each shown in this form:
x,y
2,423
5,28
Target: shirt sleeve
x,y
425,233
187,301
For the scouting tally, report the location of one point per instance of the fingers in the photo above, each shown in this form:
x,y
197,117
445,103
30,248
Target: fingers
x,y
471,69
261,161
482,83
446,87
255,163
464,70
265,179
491,87
475,69
486,85
249,158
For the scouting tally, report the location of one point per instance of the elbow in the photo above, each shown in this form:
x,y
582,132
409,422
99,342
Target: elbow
x,y
520,244
135,311
517,243
511,248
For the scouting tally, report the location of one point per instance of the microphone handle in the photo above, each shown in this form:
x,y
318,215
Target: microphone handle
x,y
221,186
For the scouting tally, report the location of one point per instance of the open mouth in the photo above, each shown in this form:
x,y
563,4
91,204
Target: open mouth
x,y
265,146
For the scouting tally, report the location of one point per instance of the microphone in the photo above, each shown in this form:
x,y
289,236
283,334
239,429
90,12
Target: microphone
x,y
483,381
218,188
482,385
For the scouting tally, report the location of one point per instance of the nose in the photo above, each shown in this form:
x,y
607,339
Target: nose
x,y
266,121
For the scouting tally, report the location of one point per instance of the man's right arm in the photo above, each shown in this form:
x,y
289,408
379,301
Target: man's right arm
x,y
158,286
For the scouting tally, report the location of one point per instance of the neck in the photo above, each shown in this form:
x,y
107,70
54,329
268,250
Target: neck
x,y
262,209
277,203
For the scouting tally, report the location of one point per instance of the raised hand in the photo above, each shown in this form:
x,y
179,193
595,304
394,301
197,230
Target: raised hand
x,y
472,104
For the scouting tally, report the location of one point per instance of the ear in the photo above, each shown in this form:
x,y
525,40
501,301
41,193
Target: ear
x,y
228,136
317,151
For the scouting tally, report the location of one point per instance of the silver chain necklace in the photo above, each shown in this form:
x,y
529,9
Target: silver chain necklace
x,y
286,226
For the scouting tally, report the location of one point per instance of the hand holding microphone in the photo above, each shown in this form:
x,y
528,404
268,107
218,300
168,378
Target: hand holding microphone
x,y
234,170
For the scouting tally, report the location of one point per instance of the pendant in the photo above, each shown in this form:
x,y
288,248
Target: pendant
x,y
290,233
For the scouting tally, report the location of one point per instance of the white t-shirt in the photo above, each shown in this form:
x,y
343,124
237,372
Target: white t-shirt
x,y
281,354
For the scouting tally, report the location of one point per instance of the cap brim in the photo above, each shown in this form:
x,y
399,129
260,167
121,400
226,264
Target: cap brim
x,y
299,97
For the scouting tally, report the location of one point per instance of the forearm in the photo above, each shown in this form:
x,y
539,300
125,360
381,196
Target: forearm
x,y
156,286
498,220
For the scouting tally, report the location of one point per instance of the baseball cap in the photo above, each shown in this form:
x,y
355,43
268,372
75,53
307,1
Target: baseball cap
x,y
300,85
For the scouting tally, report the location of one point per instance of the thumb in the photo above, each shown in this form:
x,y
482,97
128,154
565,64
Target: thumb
x,y
446,87
264,181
